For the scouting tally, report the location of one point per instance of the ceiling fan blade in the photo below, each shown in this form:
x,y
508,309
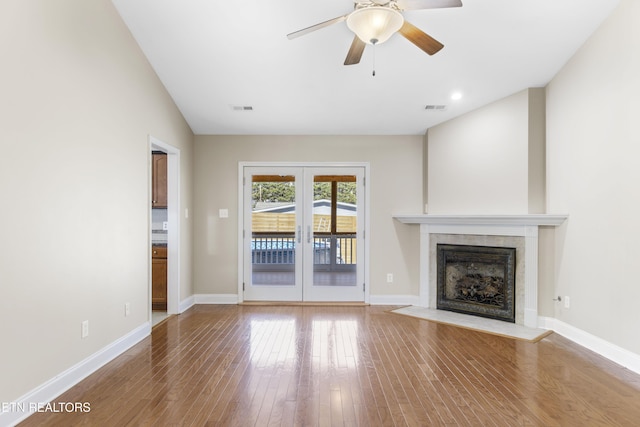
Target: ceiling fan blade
x,y
355,51
427,4
421,39
312,28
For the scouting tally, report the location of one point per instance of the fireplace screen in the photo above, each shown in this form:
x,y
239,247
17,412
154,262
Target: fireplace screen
x,y
477,280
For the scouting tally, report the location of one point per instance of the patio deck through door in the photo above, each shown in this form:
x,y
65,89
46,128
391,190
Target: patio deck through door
x,y
302,229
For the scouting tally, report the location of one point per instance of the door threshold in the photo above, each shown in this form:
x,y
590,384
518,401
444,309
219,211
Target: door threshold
x,y
160,319
307,303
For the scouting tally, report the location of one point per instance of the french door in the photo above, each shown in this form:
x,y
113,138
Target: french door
x,y
303,233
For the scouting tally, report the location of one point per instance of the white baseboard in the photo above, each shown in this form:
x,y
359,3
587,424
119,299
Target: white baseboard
x,y
216,298
394,300
373,299
25,405
604,348
186,304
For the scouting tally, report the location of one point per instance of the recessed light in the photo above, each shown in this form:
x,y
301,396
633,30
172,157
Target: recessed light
x,y
456,95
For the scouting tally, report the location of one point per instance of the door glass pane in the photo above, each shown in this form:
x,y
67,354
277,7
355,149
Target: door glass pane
x,y
334,230
273,230
346,223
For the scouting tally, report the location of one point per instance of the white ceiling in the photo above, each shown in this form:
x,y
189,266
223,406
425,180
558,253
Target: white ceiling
x,y
212,55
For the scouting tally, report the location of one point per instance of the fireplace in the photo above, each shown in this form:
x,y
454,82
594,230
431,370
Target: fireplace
x,y
477,280
519,231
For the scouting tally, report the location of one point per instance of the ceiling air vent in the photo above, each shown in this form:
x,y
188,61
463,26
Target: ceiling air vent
x,y
435,107
242,108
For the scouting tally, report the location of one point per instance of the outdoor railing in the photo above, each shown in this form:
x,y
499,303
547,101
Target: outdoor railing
x,y
273,249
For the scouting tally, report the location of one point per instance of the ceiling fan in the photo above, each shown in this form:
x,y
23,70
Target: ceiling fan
x,y
374,21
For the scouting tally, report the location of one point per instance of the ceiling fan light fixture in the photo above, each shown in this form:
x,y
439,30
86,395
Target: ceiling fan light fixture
x,y
374,25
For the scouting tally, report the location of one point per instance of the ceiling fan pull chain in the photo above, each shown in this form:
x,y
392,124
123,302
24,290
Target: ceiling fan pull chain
x,y
374,59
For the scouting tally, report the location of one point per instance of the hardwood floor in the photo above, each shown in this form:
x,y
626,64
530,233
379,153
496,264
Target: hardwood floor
x,y
347,366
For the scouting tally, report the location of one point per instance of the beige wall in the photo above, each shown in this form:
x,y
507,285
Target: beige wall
x,y
396,187
480,163
593,175
536,155
78,103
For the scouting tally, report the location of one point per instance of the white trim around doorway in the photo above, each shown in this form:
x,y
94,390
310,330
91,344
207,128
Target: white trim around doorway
x,y
173,220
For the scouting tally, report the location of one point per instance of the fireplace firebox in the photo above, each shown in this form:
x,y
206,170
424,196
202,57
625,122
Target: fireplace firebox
x,y
477,280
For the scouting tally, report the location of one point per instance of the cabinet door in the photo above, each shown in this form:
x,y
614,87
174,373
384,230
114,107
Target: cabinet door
x,y
159,197
159,279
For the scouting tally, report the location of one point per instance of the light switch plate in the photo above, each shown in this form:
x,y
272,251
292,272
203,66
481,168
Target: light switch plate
x,y
223,213
85,329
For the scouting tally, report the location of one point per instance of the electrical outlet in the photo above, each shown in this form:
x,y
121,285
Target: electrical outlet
x,y
127,309
567,302
165,225
389,277
85,329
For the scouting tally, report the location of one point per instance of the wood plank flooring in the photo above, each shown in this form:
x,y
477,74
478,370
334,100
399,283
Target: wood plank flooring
x,y
347,366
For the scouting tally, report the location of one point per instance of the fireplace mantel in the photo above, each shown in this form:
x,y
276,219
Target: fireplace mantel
x,y
525,226
503,220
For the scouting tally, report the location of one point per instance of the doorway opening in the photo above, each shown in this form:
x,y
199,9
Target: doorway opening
x,y
165,231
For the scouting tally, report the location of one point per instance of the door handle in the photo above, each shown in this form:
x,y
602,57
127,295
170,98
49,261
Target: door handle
x,y
308,234
299,234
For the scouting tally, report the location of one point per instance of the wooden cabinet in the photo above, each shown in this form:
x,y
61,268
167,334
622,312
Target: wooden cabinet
x,y
159,277
159,174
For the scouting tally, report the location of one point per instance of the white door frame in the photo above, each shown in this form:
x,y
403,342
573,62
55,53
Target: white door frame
x,y
240,210
173,223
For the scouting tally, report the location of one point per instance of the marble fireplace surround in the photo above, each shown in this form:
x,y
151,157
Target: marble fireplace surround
x,y
516,231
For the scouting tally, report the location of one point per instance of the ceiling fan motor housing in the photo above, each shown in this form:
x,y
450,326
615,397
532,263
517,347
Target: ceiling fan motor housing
x,y
375,24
